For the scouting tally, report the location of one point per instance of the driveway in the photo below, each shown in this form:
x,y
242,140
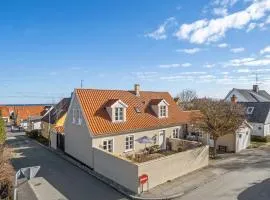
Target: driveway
x,y
69,180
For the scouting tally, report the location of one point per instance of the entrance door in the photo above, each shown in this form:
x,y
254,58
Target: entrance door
x,y
162,139
61,142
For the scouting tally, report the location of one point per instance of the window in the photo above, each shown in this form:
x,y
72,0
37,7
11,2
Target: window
x,y
77,117
162,111
250,110
119,114
108,145
130,142
176,133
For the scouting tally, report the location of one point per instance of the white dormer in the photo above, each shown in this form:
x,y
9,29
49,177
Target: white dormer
x,y
160,107
117,110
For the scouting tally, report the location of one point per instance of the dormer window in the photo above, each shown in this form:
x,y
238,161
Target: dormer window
x,y
160,107
250,110
119,114
117,110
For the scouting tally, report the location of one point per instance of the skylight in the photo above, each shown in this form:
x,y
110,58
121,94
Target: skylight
x,y
137,110
250,110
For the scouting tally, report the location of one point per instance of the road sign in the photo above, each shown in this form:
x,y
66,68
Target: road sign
x,y
30,172
143,178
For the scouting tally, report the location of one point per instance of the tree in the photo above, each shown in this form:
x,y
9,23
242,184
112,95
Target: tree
x,y
2,135
217,118
185,99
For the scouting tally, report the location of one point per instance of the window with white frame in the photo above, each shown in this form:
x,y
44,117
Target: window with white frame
x,y
119,114
250,110
176,133
77,119
108,145
129,142
163,111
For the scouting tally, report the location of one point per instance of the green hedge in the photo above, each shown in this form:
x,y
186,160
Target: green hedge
x,y
260,139
35,134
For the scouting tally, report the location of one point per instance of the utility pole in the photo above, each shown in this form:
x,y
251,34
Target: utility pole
x,y
81,83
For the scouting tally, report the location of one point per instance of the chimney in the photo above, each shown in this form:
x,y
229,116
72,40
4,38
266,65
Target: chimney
x,y
234,99
137,90
255,88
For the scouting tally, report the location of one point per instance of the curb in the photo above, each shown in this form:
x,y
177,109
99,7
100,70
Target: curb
x,y
104,179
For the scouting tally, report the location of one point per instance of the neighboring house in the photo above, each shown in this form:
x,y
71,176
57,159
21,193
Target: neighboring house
x,y
258,116
34,123
257,107
234,142
103,127
55,117
4,113
245,95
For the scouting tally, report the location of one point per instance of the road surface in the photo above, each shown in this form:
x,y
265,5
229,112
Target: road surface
x,y
69,180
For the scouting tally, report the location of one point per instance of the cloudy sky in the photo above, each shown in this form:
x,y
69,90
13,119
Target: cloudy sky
x,y
47,47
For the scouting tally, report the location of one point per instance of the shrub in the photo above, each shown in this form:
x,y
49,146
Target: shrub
x,y
255,138
33,134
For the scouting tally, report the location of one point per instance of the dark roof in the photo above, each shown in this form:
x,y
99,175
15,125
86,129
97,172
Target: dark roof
x,y
57,111
251,96
260,112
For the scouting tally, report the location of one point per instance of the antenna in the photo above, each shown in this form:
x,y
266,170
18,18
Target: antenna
x,y
257,78
82,83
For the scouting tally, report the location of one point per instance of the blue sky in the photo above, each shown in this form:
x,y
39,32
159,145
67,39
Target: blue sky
x,y
47,47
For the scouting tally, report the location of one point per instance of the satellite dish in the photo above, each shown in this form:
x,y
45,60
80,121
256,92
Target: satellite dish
x,y
30,172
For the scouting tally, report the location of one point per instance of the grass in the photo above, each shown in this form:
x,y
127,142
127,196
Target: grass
x,y
254,144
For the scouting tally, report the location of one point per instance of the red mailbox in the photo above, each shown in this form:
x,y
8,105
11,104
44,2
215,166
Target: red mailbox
x,y
143,179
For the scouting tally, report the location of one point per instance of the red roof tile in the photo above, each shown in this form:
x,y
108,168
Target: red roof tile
x,y
93,103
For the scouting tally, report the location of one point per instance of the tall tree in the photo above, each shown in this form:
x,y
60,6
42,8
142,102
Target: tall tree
x,y
2,136
218,118
185,99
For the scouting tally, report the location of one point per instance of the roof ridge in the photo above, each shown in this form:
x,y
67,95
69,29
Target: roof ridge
x,y
76,89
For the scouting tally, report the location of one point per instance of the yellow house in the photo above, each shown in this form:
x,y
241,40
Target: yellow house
x,y
55,118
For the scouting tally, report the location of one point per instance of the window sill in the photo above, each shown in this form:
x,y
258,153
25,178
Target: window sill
x,y
128,150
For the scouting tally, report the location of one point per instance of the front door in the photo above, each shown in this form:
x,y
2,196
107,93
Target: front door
x,y
162,139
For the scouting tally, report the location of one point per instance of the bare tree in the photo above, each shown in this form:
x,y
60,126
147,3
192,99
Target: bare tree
x,y
218,118
185,98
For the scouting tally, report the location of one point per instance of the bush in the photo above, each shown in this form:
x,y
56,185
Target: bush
x,y
33,134
255,138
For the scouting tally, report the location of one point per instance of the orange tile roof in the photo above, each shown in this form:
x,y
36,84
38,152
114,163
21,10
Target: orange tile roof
x,y
4,111
23,111
59,129
93,103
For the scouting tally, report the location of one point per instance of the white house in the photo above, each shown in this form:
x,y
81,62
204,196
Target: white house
x,y
103,127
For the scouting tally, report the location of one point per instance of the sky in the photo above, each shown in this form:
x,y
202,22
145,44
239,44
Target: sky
x,y
48,47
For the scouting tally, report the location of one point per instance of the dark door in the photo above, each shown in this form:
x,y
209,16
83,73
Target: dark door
x,y
61,142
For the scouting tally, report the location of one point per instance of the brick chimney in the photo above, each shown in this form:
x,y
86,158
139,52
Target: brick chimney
x,y
234,99
255,88
137,90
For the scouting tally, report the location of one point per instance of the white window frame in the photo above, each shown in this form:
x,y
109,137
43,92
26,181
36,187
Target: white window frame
x,y
129,149
176,133
250,110
77,117
107,145
117,113
163,112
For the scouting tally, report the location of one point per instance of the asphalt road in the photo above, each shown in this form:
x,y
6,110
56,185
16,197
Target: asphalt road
x,y
247,178
69,180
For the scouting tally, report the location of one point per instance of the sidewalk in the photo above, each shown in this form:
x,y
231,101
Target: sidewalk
x,y
185,184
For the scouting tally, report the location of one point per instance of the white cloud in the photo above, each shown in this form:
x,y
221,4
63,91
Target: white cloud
x,y
209,65
249,62
267,56
202,31
225,73
223,45
145,75
251,26
189,51
267,21
175,65
265,50
220,11
186,64
224,3
237,50
160,32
